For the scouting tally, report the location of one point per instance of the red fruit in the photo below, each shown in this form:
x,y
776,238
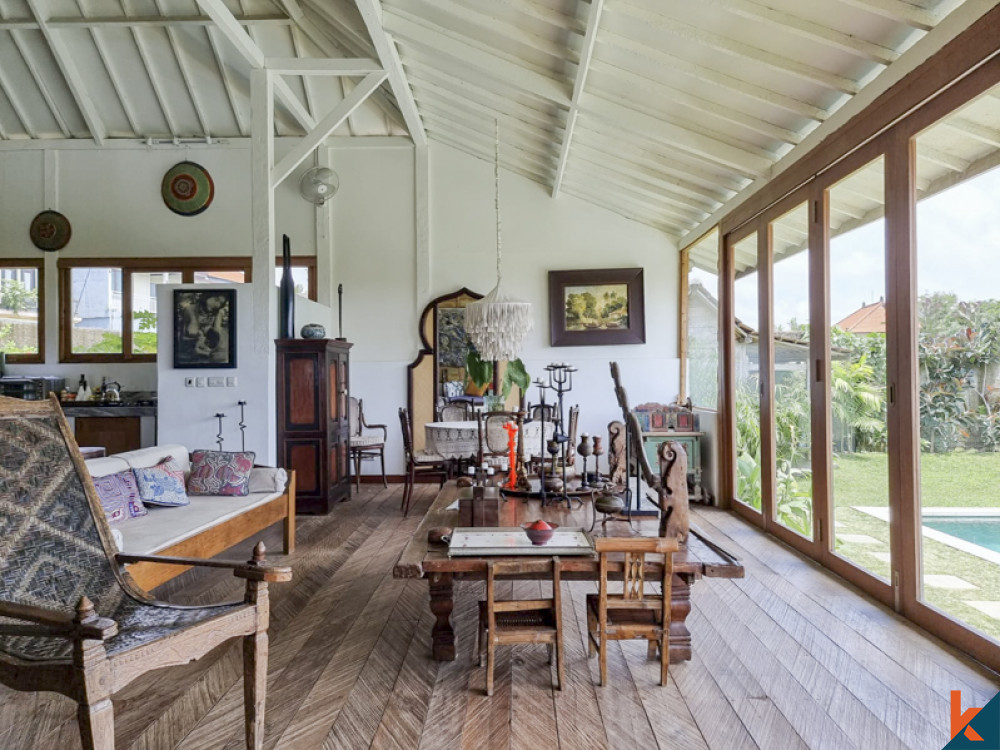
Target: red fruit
x,y
539,525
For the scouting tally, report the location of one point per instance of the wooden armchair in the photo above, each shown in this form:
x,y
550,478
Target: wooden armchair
x,y
365,446
493,438
634,613
455,411
506,622
72,620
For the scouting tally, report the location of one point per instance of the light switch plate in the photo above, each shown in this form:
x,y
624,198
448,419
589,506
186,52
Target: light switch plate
x,y
217,382
231,381
199,382
189,382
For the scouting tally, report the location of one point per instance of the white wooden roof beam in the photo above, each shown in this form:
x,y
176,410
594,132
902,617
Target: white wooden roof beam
x,y
582,70
226,22
151,74
73,77
470,53
526,167
311,66
40,80
675,96
899,10
307,81
483,117
537,148
182,65
227,83
942,158
468,95
326,126
974,130
89,22
634,193
385,47
734,48
16,104
810,30
98,38
703,75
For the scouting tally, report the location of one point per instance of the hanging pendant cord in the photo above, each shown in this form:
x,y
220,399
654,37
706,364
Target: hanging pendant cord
x,y
496,188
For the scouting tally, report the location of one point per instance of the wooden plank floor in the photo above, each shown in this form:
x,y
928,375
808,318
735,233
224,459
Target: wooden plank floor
x,y
788,657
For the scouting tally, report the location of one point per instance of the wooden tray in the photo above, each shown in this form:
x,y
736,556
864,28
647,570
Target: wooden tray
x,y
511,540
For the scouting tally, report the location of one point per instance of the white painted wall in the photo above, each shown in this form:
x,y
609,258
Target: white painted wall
x,y
374,241
112,198
186,415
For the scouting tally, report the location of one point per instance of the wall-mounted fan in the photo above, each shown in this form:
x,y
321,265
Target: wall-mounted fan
x,y
318,185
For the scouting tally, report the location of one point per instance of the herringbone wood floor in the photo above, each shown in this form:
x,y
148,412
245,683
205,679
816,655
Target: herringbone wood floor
x,y
788,657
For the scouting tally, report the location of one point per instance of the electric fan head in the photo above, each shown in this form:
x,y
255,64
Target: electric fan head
x,y
318,185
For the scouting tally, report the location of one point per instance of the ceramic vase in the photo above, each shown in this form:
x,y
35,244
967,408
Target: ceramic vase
x,y
313,331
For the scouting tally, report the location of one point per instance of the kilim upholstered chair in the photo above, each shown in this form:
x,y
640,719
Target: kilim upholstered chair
x,y
72,620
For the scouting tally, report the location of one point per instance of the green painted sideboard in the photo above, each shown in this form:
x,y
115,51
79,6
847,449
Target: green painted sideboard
x,y
692,444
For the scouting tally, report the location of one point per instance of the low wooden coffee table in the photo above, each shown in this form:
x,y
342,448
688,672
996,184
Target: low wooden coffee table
x,y
699,557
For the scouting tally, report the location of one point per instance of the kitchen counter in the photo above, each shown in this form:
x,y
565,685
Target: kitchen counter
x,y
96,409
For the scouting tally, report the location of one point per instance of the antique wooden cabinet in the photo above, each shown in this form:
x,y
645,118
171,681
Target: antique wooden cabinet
x,y
313,432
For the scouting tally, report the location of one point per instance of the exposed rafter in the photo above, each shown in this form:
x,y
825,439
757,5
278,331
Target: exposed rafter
x,y
582,69
385,47
73,77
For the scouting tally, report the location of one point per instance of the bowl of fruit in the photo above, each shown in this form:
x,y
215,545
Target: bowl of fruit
x,y
539,532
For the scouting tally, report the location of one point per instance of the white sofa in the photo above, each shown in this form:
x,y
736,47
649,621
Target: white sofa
x,y
206,527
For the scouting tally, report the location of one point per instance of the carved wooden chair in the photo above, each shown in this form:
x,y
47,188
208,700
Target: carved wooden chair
x,y
635,613
455,411
418,463
493,449
506,622
72,620
365,446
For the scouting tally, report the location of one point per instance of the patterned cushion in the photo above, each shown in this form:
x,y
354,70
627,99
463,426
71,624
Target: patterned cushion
x,y
220,472
366,441
119,496
162,484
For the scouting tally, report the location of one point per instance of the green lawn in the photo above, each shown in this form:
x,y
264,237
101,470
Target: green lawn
x,y
965,480
947,480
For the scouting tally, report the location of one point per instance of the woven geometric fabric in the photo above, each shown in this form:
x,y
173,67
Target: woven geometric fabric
x,y
220,473
50,550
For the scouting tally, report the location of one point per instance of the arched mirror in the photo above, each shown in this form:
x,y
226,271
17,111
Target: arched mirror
x,y
438,372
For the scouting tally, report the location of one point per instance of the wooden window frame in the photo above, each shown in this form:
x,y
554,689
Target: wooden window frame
x,y
39,265
187,267
303,261
947,81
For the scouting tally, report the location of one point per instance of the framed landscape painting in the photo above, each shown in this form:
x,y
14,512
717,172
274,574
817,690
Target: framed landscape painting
x,y
204,328
596,307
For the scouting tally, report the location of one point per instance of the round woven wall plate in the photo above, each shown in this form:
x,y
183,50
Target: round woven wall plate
x,y
50,230
187,188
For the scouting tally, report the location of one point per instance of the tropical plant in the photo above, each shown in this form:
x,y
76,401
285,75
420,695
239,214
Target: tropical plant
x,y
481,372
15,296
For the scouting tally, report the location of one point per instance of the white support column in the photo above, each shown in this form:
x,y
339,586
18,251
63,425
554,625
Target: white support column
x,y
422,214
262,212
50,193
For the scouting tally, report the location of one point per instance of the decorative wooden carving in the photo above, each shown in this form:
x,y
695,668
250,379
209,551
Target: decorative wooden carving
x,y
675,517
617,470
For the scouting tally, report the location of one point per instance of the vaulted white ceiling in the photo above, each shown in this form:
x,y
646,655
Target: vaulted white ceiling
x,y
660,110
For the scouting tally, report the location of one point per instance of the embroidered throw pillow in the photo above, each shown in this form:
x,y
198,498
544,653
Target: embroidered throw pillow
x,y
162,484
220,473
119,496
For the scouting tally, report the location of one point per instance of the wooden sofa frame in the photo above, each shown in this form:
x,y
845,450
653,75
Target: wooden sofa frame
x,y
217,539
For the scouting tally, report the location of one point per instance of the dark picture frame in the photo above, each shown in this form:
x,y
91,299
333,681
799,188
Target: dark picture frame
x,y
597,307
204,328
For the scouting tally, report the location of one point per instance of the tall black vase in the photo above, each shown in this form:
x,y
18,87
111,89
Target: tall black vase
x,y
286,305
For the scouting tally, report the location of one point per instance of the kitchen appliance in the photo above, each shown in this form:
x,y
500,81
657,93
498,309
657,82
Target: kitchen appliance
x,y
31,388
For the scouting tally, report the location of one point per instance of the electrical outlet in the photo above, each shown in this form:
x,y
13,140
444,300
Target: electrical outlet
x,y
189,382
199,382
231,381
216,382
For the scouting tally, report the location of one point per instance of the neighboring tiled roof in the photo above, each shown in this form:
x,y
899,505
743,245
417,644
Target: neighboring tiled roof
x,y
867,319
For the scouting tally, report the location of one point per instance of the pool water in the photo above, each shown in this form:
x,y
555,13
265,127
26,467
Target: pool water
x,y
982,531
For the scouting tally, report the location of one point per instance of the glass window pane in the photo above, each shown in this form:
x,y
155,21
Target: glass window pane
x,y
219,277
790,342
703,323
300,277
958,259
19,310
746,370
96,310
144,308
858,369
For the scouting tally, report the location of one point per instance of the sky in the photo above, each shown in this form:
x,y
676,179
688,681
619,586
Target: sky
x,y
958,250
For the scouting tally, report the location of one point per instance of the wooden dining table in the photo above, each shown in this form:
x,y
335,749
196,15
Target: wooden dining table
x,y
698,557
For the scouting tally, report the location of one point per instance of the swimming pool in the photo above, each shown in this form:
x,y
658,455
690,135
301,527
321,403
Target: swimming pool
x,y
981,530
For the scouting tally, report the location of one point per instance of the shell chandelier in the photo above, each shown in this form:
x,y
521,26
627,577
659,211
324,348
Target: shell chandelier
x,y
497,324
